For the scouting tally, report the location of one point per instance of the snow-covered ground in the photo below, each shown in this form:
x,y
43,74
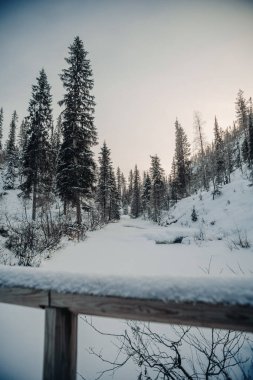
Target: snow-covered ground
x,y
135,247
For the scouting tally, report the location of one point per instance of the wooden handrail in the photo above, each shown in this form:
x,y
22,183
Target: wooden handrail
x,y
62,308
204,314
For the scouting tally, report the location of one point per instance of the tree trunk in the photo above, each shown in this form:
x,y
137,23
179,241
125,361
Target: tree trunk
x,y
65,207
34,204
78,211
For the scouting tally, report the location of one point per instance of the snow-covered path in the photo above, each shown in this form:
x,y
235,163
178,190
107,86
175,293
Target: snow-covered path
x,y
131,247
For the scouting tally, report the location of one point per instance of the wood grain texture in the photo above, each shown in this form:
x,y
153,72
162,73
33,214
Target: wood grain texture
x,y
24,297
60,345
193,314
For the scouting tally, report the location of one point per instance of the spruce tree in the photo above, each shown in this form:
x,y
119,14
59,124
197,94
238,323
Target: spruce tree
x,y
241,112
146,196
9,173
76,166
104,182
219,154
173,185
229,156
182,161
136,194
107,193
130,187
250,117
124,198
114,198
11,142
56,140
119,184
22,138
1,128
200,146
157,189
37,158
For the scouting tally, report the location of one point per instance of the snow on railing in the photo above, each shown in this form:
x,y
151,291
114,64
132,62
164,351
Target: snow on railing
x,y
204,301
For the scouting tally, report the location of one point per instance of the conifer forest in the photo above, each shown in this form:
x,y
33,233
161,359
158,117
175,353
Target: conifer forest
x,y
73,202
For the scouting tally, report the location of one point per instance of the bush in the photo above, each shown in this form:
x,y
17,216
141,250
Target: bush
x,y
194,215
29,239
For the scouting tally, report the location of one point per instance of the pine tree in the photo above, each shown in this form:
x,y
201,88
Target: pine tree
x,y
250,117
245,150
182,160
1,128
56,141
22,138
200,146
9,173
124,198
146,196
37,158
11,142
241,112
130,187
118,181
114,198
107,193
76,166
22,143
173,185
136,195
158,188
104,182
219,154
229,157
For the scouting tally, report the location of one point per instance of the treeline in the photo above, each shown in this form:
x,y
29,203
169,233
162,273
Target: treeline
x,y
48,162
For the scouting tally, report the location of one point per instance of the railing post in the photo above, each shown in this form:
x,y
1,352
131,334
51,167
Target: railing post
x,y
60,345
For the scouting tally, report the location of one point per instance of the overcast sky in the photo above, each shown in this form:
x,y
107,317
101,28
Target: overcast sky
x,y
152,61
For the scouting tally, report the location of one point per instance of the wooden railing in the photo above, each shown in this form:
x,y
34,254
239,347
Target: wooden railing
x,y
62,309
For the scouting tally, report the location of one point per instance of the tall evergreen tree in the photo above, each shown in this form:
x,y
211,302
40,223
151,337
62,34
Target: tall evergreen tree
x,y
114,198
56,140
11,142
146,196
9,173
229,156
173,185
124,197
23,133
241,112
1,128
158,188
37,154
130,186
136,195
250,117
200,146
103,188
118,181
182,160
219,154
76,166
107,192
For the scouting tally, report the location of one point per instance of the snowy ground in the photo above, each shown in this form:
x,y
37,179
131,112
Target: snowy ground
x,y
137,248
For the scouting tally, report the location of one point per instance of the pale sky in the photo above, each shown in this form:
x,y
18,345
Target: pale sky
x,y
152,61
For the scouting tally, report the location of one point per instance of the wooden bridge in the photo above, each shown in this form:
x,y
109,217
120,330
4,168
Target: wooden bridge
x,y
63,303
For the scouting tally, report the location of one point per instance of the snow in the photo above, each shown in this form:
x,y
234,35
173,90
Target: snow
x,y
134,258
202,289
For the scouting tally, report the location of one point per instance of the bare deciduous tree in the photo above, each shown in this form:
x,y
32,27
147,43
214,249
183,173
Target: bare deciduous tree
x,y
184,353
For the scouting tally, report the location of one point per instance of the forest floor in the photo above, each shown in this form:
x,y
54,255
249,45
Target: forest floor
x,y
135,247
